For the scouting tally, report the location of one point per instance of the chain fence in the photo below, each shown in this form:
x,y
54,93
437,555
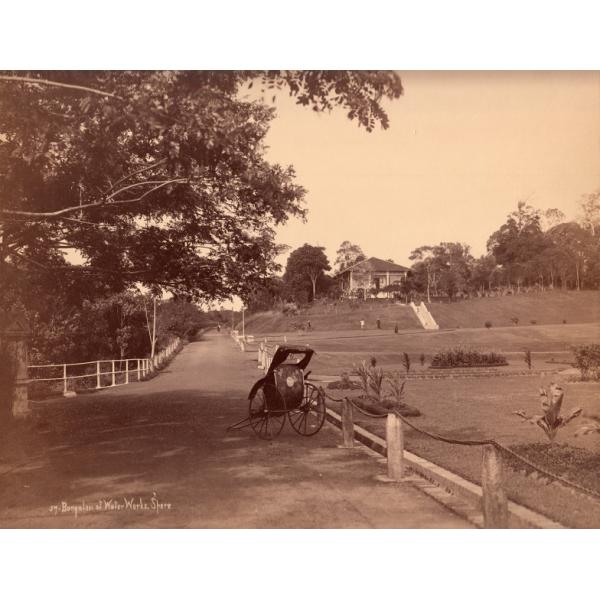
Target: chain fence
x,y
483,442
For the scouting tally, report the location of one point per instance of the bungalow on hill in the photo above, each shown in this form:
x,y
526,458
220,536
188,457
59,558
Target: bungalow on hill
x,y
371,277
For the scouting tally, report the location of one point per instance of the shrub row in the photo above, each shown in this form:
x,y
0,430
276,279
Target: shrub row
x,y
464,357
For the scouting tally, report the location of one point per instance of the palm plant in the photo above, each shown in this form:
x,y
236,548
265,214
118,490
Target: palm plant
x,y
396,383
371,381
551,421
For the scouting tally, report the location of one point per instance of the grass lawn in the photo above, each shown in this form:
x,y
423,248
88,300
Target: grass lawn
x,y
337,351
335,317
482,408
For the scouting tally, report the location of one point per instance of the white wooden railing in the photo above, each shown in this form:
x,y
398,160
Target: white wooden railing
x,y
265,355
266,347
133,369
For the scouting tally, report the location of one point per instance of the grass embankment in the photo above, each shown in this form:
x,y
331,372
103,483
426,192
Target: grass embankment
x,y
545,308
335,317
480,409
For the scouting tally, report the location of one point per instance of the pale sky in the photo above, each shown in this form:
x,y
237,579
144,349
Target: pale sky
x,y
462,149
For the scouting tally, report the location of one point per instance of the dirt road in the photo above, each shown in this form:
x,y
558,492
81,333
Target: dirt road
x,y
157,454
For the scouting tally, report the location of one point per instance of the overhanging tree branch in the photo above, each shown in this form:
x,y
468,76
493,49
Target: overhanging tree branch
x,y
103,203
142,170
81,88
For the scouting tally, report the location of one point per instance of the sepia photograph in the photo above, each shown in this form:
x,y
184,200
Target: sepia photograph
x,y
338,320
300,299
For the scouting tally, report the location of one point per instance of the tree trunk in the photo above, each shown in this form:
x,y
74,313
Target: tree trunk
x,y
428,286
314,286
154,329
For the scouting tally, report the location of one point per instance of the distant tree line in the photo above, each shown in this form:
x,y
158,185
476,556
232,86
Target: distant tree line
x,y
531,250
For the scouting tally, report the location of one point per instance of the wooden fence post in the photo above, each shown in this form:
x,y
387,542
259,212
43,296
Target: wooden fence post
x,y
113,372
347,424
65,388
98,382
494,501
138,369
126,370
395,447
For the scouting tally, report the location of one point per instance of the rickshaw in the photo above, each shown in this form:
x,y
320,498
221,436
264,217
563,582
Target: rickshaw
x,y
285,392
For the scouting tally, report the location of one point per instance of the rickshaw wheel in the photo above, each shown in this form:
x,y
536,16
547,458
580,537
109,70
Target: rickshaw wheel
x,y
309,417
266,423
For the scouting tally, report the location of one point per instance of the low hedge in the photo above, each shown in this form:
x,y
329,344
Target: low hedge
x,y
454,358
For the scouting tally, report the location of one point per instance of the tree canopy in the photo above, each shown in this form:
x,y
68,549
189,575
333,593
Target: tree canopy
x,y
156,178
304,267
347,255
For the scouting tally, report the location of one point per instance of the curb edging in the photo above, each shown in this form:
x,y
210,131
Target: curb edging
x,y
520,516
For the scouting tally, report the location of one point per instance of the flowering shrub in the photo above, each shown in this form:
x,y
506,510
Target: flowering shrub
x,y
464,357
587,360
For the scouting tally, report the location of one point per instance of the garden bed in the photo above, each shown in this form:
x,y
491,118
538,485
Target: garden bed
x,y
383,408
466,358
578,465
470,409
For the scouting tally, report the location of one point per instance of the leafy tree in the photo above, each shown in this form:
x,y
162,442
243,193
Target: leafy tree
x,y
552,217
265,294
180,318
425,269
575,249
306,265
484,273
590,211
107,327
347,255
156,178
445,267
455,264
329,286
518,242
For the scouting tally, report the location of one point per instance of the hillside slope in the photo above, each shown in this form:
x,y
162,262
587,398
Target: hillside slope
x,y
545,308
328,317
549,308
